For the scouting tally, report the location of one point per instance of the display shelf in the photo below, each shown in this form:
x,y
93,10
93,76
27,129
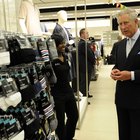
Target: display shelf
x,y
109,37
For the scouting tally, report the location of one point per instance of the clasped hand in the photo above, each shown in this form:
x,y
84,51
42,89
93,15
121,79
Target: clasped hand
x,y
120,75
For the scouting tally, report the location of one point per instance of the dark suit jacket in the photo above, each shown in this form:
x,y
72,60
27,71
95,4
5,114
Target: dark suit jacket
x,y
90,56
128,92
59,30
113,52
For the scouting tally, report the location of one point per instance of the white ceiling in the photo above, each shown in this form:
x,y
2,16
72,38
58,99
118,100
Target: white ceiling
x,y
61,3
67,3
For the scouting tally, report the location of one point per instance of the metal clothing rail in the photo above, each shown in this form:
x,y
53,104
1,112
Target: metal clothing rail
x,y
82,105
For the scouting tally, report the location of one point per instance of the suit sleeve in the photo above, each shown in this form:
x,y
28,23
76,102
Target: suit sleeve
x,y
90,54
56,30
69,34
137,76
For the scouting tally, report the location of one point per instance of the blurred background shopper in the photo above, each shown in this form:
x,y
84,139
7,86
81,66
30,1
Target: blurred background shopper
x,y
82,61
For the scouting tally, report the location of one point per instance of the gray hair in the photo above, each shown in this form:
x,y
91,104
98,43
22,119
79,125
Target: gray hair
x,y
131,12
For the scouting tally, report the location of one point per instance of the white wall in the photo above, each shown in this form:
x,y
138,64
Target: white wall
x,y
2,22
8,13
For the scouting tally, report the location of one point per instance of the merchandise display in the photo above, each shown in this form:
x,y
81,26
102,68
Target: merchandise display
x,y
4,55
26,58
26,106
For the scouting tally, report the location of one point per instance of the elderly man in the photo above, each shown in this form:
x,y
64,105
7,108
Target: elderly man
x,y
127,73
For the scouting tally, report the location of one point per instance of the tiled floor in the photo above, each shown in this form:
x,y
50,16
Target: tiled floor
x,y
100,122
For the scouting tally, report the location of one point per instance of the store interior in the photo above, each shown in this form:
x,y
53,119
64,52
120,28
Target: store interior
x,y
98,17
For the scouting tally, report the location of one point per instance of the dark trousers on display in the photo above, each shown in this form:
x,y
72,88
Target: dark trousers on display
x,y
82,82
66,127
128,123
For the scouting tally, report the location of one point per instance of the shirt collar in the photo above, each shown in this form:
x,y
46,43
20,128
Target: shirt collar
x,y
135,36
83,39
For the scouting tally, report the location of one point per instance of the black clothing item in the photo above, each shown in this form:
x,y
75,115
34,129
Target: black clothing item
x,y
128,119
66,35
19,55
82,64
90,56
127,96
74,80
66,104
113,53
64,101
26,89
82,83
28,93
61,69
127,92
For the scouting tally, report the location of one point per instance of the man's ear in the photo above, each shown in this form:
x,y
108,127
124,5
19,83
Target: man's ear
x,y
137,21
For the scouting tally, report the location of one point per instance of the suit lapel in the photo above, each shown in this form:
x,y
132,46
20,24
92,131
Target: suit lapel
x,y
134,51
123,50
136,46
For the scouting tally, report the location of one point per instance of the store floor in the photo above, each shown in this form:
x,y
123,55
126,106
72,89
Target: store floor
x,y
100,121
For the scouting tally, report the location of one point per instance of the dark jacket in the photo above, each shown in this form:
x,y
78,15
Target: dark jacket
x,y
90,56
59,30
113,52
128,92
62,86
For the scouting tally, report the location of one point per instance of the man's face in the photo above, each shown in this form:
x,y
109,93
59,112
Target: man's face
x,y
127,26
85,34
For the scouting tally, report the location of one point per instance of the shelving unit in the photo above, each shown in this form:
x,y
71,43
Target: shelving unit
x,y
11,24
109,38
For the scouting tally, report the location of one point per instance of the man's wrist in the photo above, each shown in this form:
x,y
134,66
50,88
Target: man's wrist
x,y
132,76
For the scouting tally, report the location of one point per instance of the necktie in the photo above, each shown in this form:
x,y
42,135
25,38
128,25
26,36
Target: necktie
x,y
129,45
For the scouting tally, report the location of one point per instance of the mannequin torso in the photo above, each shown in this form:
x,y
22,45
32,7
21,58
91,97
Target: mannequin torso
x,y
29,18
60,27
